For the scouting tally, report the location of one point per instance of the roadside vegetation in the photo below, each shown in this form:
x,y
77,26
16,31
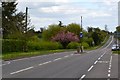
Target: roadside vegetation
x,y
116,52
19,40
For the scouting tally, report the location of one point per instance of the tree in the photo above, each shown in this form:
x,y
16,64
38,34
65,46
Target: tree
x,y
74,28
65,38
90,29
96,38
51,31
14,25
8,17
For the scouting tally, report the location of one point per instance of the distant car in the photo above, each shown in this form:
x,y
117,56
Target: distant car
x,y
115,47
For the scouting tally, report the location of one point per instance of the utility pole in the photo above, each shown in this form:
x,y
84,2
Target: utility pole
x,y
81,23
26,19
81,36
25,33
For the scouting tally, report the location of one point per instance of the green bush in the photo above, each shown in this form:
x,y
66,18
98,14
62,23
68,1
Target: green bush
x,y
12,45
43,45
85,45
73,45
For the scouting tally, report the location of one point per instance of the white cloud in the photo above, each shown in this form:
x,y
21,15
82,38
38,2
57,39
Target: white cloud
x,y
57,1
50,11
69,10
98,14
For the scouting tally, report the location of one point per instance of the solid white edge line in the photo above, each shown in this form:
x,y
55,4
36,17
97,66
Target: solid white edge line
x,y
90,68
21,70
110,42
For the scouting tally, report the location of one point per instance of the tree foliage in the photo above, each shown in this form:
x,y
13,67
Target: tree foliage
x,y
97,35
74,28
8,17
13,23
65,38
51,31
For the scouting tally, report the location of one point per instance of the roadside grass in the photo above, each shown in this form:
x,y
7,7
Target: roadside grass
x,y
116,52
17,55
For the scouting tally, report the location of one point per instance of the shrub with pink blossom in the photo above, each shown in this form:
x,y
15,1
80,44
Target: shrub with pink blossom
x,y
65,38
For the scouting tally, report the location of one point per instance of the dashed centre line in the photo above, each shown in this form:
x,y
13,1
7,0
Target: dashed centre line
x,y
95,62
22,70
82,77
110,65
90,68
38,65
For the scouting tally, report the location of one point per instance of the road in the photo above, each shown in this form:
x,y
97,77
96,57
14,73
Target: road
x,y
99,64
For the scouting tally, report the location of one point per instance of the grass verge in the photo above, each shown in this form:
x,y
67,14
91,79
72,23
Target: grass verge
x,y
116,52
17,55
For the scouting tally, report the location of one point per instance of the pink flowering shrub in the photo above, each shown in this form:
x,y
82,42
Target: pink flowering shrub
x,y
65,38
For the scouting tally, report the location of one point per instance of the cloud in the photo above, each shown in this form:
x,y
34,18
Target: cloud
x,y
71,10
57,1
94,13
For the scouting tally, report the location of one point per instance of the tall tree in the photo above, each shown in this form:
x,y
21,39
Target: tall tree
x,y
8,17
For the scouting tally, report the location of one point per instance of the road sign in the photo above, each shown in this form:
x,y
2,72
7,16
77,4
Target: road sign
x,y
81,34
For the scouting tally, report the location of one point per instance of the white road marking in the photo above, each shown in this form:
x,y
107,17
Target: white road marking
x,y
108,75
109,71
47,62
109,43
103,61
110,62
82,77
90,68
110,65
95,62
44,63
22,70
99,58
20,59
57,59
66,56
109,68
7,62
111,59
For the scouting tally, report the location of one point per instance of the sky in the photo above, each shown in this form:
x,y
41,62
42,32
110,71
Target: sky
x,y
95,13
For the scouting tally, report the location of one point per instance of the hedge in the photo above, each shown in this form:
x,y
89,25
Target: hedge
x,y
43,45
18,45
12,45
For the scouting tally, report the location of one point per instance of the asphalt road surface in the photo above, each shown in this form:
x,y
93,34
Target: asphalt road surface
x,y
99,64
